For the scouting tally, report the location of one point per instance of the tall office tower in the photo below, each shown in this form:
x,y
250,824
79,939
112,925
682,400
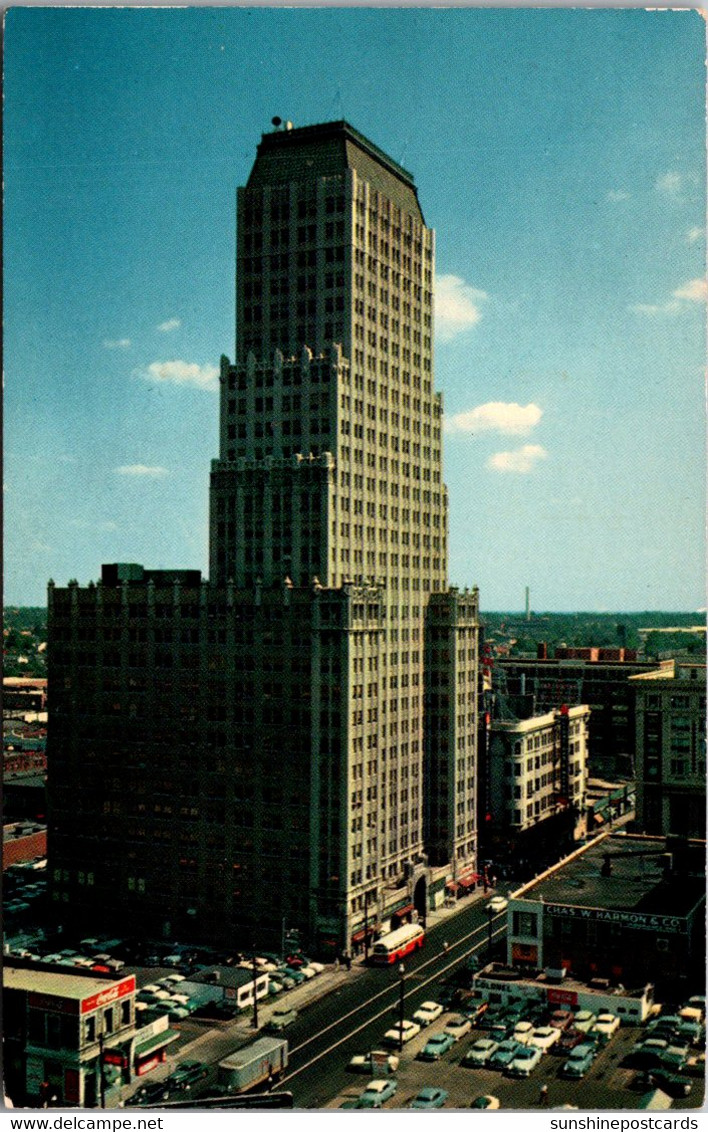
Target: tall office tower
x,y
340,683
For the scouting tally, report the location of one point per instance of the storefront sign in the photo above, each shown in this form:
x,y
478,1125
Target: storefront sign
x,y
642,921
562,997
109,995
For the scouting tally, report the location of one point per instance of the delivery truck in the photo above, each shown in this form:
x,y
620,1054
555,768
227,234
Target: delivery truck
x,y
257,1064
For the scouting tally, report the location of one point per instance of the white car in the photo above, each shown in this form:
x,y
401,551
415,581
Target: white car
x,y
497,904
428,1012
150,988
179,999
584,1020
544,1037
368,1062
318,968
522,1032
403,1033
308,971
458,1026
607,1024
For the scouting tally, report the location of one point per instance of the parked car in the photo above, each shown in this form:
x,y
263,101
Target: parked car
x,y
475,1011
377,1093
523,1032
544,1037
504,1054
308,972
569,1039
436,1046
479,1053
365,1062
561,1019
402,1033
458,1026
428,1012
497,904
429,1098
525,1061
607,1024
580,1060
584,1020
486,1102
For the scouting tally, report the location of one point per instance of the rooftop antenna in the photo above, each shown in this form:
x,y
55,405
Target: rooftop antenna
x,y
338,106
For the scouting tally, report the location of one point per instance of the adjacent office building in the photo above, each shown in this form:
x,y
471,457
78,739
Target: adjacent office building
x,y
292,742
671,749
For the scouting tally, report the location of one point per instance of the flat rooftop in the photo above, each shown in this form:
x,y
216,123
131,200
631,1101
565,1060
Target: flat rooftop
x,y
637,881
38,981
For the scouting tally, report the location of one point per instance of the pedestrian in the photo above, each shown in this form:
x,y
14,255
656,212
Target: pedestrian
x,y
543,1095
336,962
348,961
446,947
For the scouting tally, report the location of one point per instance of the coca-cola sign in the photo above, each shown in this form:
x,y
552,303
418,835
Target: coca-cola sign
x,y
111,994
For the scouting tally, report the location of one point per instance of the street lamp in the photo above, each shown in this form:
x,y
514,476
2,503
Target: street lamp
x,y
402,977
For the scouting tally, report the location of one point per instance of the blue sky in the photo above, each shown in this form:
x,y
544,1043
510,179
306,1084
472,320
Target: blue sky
x,y
559,154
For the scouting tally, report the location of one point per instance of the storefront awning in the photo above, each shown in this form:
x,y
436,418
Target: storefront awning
x,y
468,879
404,911
360,936
156,1041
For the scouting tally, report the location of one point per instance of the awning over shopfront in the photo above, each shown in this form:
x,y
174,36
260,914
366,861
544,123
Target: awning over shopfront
x,y
467,880
360,936
404,911
154,1042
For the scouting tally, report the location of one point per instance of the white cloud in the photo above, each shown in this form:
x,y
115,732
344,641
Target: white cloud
x,y
520,460
618,195
457,306
694,235
154,471
675,185
653,310
170,324
181,373
116,343
496,416
695,291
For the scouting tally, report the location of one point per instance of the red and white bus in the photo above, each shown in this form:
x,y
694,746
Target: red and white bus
x,y
396,944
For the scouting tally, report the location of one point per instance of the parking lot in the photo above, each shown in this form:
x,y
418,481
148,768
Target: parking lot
x,y
607,1085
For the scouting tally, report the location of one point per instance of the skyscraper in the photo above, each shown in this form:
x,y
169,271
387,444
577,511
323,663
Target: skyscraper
x,y
313,735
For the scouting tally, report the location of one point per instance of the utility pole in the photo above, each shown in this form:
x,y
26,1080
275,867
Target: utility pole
x,y
102,1078
255,995
402,976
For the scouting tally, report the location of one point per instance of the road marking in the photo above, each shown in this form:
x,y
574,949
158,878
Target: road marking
x,y
387,990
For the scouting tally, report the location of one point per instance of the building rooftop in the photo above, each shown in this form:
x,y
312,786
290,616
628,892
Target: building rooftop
x,y
69,985
637,882
326,150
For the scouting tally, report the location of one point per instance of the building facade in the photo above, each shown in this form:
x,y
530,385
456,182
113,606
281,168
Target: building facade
x,y
71,1037
268,746
622,911
670,754
537,769
598,677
